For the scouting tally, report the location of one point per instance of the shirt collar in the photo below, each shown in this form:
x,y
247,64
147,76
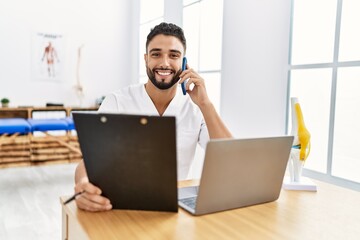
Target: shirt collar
x,y
171,110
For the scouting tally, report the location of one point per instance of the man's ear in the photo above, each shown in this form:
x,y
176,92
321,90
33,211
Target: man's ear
x,y
145,58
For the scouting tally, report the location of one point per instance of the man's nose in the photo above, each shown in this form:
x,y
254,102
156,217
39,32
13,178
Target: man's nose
x,y
165,62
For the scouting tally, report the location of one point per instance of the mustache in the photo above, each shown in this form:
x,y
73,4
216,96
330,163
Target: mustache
x,y
164,69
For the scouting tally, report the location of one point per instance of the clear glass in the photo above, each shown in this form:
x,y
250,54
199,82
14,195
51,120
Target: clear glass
x,y
313,31
202,24
213,88
150,10
349,32
191,26
346,157
144,31
313,89
210,34
187,2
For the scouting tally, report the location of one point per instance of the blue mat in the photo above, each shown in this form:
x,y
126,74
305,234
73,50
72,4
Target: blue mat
x,y
70,122
48,124
14,125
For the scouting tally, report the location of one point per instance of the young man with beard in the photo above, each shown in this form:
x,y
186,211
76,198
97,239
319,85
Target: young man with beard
x,y
196,118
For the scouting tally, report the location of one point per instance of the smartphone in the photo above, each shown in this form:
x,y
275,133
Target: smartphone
x,y
184,68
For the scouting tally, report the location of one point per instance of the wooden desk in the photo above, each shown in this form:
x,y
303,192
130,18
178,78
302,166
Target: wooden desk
x,y
330,213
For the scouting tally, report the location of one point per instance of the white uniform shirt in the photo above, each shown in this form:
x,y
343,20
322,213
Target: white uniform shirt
x,y
190,125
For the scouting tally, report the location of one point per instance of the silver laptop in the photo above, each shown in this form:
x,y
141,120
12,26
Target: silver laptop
x,y
238,173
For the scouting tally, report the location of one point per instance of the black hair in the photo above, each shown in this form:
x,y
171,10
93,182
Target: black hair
x,y
168,29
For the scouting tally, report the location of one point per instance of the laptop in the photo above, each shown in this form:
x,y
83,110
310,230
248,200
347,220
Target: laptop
x,y
131,158
238,173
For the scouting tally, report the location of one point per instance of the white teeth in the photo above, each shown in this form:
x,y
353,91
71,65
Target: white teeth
x,y
164,73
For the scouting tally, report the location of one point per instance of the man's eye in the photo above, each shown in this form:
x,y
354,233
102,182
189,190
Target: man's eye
x,y
155,54
175,56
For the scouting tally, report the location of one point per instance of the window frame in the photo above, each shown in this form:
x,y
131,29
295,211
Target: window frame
x,y
334,65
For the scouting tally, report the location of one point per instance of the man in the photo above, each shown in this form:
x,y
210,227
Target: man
x,y
196,117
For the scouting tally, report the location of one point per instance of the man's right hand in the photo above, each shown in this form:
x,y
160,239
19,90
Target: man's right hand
x,y
91,199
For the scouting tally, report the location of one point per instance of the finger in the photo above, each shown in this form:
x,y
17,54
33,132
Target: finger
x,y
195,82
87,187
187,71
87,204
96,198
181,80
93,207
188,86
196,79
182,77
186,76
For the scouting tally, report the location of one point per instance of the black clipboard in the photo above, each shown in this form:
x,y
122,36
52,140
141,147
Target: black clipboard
x,y
131,158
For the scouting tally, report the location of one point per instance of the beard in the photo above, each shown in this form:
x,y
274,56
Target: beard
x,y
162,84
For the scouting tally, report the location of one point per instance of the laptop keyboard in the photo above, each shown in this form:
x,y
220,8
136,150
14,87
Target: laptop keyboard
x,y
190,202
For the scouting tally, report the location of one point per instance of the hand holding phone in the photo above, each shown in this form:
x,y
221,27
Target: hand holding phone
x,y
183,84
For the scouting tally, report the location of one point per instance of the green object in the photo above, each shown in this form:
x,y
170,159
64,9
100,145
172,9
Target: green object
x,y
5,100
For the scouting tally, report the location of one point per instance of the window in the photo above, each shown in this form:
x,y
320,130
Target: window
x,y
349,32
346,157
313,36
202,24
313,87
324,73
151,14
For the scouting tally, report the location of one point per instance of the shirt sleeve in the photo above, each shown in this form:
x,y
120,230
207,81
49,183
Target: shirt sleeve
x,y
109,105
204,135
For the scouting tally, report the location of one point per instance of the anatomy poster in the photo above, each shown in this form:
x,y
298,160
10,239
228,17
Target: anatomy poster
x,y
47,56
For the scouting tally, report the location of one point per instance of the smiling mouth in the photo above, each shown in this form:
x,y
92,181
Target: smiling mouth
x,y
164,73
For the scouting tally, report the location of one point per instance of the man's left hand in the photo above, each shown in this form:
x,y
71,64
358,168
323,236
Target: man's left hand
x,y
198,92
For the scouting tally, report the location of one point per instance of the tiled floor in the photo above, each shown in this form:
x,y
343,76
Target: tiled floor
x,y
29,201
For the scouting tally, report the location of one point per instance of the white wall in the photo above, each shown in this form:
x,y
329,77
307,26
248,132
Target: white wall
x,y
254,66
104,26
254,61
